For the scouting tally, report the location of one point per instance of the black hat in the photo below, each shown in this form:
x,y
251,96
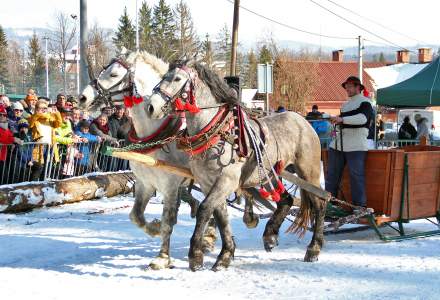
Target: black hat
x,y
354,80
65,110
119,107
83,124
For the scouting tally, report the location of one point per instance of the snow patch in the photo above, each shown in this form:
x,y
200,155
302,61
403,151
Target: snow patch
x,y
3,207
52,196
29,195
129,184
100,192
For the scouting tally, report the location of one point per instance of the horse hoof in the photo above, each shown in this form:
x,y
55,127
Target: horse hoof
x,y
270,242
311,256
251,223
153,228
195,260
161,262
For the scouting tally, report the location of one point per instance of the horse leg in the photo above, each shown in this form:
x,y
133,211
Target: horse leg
x,y
210,236
186,197
228,245
270,235
214,199
249,218
169,219
312,174
143,194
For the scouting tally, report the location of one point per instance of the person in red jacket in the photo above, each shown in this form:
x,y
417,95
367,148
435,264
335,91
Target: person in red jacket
x,y
6,138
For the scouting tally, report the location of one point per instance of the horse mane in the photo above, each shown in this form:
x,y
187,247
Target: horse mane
x,y
156,63
219,89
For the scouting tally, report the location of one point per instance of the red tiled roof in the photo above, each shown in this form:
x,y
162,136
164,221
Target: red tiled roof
x,y
332,74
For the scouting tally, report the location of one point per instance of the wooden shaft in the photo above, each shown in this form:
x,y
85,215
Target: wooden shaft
x,y
150,161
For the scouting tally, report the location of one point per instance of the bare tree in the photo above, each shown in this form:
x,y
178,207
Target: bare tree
x,y
64,31
99,50
295,77
17,68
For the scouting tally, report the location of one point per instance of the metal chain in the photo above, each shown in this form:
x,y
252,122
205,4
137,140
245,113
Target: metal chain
x,y
142,146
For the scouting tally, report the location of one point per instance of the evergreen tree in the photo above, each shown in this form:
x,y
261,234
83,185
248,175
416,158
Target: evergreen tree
x,y
4,78
185,33
207,52
224,49
126,34
36,64
250,76
164,31
145,28
265,55
382,57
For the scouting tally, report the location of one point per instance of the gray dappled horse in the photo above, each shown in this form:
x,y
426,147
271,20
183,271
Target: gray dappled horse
x,y
219,170
116,81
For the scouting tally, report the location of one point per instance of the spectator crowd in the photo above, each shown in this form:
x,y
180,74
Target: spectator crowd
x,y
34,130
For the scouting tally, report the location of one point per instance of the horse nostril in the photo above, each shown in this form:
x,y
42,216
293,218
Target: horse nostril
x,y
150,109
82,98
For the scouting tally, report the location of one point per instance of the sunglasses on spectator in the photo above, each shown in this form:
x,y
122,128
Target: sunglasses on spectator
x,y
20,110
3,115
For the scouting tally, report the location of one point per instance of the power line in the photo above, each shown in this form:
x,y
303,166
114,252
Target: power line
x,y
358,26
375,22
291,27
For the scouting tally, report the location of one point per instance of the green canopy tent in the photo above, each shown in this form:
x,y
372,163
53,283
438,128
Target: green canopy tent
x,y
421,90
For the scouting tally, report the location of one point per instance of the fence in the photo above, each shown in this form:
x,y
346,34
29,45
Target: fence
x,y
20,165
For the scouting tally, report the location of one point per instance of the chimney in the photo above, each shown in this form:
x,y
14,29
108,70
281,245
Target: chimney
x,y
403,56
425,55
338,55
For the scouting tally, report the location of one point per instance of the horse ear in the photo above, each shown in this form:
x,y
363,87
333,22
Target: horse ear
x,y
123,51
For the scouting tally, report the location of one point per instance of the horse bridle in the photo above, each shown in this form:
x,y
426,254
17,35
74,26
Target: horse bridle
x,y
105,94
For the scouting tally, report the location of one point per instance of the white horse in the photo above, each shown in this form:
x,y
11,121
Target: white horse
x,y
116,80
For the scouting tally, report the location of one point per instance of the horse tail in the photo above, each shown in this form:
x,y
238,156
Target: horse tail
x,y
304,217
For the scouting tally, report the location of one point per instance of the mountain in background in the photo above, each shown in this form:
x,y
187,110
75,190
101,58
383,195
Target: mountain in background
x,y
371,53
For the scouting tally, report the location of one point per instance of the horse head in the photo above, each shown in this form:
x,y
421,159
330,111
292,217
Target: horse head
x,y
188,86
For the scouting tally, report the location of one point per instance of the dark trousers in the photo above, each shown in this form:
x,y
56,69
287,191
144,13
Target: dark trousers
x,y
356,166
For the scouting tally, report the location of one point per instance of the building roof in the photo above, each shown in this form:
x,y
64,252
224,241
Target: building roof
x,y
330,76
390,75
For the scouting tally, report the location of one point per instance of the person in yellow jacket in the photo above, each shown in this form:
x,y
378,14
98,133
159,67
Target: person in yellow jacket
x,y
42,124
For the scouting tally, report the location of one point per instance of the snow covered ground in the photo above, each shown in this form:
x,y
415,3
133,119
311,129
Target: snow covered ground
x,y
90,250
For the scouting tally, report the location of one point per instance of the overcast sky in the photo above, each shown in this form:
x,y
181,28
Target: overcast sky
x,y
416,19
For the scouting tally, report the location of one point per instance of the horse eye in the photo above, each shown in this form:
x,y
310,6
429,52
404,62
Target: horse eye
x,y
113,75
177,79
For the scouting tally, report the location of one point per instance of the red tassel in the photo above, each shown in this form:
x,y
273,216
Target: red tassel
x,y
179,105
263,193
128,101
279,167
137,100
275,196
366,93
192,108
280,187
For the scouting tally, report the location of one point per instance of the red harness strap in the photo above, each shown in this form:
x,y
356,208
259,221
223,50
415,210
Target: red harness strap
x,y
220,117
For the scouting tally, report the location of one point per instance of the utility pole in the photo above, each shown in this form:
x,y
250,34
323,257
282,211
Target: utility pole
x,y
137,27
47,67
360,56
84,75
234,37
77,25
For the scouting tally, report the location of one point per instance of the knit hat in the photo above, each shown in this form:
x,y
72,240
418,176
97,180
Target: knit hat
x,y
17,105
22,124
